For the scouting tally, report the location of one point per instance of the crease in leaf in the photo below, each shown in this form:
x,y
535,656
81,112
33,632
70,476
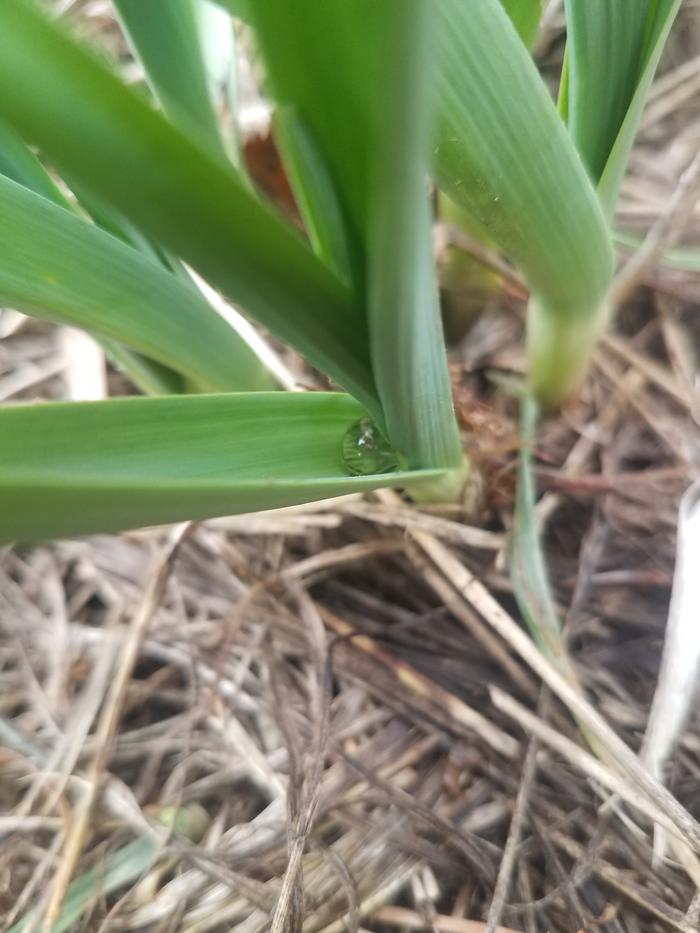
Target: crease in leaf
x,y
19,163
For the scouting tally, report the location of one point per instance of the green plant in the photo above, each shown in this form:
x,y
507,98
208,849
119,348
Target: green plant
x,y
372,99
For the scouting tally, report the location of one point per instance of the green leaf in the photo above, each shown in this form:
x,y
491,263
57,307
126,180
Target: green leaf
x,y
408,350
58,266
146,374
71,469
91,125
612,53
660,18
20,164
604,47
165,37
314,191
119,869
525,16
678,257
218,44
505,156
325,62
527,564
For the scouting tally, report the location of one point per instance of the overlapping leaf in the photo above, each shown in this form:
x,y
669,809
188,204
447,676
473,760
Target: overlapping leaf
x,y
89,124
505,156
58,266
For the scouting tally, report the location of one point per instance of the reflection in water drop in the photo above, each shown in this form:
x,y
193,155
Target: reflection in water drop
x,y
366,450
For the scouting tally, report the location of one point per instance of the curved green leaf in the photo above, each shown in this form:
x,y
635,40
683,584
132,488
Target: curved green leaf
x,y
677,257
89,124
58,266
71,469
505,156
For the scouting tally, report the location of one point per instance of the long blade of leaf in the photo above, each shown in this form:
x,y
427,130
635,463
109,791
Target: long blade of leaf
x,y
314,191
165,36
604,48
527,564
662,14
217,41
324,63
70,469
505,156
408,350
90,124
20,164
57,266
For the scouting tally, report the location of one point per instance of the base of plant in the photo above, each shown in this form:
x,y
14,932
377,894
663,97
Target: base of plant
x,y
454,485
559,348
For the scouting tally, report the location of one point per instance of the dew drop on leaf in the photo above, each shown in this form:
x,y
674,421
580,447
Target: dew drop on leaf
x,y
365,450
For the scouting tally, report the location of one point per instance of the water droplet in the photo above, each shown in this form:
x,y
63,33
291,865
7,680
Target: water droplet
x,y
366,451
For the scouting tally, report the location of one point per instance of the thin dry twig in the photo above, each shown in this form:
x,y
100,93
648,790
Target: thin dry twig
x,y
410,920
288,914
418,683
620,754
517,823
663,234
620,882
108,724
